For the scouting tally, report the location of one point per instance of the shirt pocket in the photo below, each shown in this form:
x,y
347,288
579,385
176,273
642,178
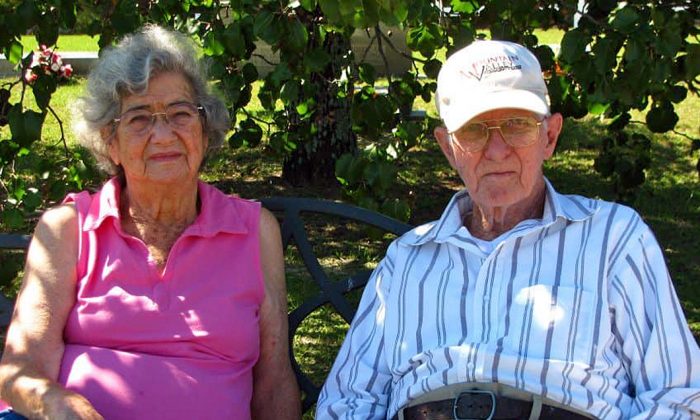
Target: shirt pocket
x,y
551,322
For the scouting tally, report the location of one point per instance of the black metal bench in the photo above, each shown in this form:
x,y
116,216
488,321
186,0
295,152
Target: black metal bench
x,y
291,212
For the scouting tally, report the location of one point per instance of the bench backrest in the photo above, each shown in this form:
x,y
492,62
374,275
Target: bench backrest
x,y
290,211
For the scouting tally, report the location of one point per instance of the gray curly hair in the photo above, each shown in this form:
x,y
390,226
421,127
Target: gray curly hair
x,y
125,70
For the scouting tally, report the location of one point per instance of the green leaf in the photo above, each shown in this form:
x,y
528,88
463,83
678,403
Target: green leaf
x,y
316,60
32,199
236,140
125,20
380,176
234,40
620,122
251,132
370,13
605,53
597,108
44,86
349,169
290,92
432,68
661,118
280,74
692,61
367,73
573,46
13,52
308,5
13,218
68,14
331,11
425,38
212,45
47,33
634,50
28,13
261,25
297,36
305,109
625,19
342,168
25,126
250,73
462,6
677,93
670,41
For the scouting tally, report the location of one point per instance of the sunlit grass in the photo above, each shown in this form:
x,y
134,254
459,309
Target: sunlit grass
x,y
76,43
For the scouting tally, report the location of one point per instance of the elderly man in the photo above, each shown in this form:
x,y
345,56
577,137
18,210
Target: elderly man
x,y
519,302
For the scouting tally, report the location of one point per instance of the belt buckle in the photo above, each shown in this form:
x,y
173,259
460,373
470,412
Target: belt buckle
x,y
455,404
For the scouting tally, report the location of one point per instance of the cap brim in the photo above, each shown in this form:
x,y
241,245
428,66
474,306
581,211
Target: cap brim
x,y
465,107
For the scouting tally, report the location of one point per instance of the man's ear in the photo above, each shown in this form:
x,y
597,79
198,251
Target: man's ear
x,y
554,125
443,139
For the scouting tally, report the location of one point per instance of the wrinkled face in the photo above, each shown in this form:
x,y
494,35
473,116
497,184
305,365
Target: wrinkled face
x,y
500,175
162,152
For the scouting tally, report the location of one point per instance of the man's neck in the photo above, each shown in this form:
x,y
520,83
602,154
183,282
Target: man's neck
x,y
490,222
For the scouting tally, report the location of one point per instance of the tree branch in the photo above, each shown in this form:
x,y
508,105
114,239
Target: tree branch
x,y
369,46
260,120
380,49
263,58
674,131
60,126
403,54
583,14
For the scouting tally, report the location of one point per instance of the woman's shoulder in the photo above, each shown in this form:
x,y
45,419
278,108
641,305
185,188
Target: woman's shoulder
x,y
268,223
57,227
60,216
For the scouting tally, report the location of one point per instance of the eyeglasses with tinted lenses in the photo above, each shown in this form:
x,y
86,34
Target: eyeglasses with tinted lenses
x,y
179,115
516,132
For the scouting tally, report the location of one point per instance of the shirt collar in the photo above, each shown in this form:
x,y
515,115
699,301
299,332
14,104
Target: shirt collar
x,y
449,226
209,221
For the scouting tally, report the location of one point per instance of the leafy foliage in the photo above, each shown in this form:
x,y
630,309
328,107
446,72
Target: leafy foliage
x,y
330,114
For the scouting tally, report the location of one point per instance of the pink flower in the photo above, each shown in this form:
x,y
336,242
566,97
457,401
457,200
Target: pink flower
x,y
48,62
67,71
29,76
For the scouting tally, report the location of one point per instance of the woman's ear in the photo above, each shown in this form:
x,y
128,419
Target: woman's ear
x,y
443,138
109,136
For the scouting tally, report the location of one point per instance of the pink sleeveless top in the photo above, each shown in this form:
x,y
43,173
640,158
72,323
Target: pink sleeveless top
x,y
178,345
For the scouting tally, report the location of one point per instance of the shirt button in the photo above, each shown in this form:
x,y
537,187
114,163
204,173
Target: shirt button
x,y
470,365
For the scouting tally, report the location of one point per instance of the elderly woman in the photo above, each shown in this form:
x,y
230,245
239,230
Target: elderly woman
x,y
158,296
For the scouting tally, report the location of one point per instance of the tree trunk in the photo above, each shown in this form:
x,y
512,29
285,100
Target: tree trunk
x,y
313,161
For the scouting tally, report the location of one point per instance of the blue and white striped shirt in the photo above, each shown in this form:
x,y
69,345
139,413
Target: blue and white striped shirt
x,y
577,307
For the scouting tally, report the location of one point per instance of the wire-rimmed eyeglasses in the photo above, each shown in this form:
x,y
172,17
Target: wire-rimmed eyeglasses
x,y
516,132
177,115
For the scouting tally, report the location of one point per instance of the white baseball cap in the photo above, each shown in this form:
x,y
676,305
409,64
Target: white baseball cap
x,y
488,75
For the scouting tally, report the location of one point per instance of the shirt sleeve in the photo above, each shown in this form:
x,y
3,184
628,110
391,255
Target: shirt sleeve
x,y
658,351
359,382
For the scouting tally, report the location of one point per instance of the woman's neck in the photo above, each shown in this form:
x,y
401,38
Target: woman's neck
x,y
158,217
161,206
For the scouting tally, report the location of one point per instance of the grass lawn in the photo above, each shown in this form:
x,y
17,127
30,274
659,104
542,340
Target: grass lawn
x,y
65,43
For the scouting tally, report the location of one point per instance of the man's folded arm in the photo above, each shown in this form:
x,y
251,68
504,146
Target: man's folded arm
x,y
359,382
655,339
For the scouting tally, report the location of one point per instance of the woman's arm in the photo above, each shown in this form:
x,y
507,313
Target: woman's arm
x,y
275,391
34,347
